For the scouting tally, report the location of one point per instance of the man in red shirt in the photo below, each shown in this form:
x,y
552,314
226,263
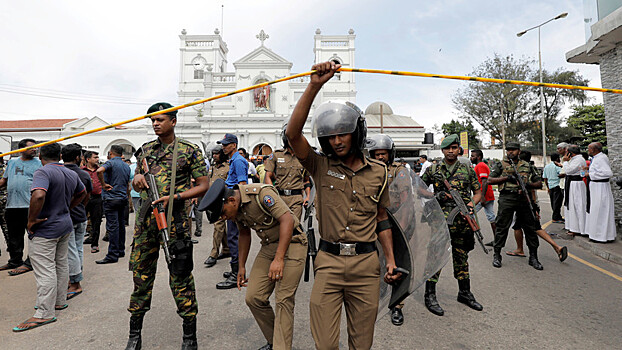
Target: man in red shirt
x,y
94,207
488,203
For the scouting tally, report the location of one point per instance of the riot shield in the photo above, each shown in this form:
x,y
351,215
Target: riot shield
x,y
421,242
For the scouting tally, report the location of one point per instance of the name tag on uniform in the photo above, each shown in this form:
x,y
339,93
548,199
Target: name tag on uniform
x,y
280,160
337,175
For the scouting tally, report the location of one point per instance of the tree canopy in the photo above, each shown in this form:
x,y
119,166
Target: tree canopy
x,y
589,121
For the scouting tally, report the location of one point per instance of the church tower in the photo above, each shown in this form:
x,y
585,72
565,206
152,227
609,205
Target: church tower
x,y
339,48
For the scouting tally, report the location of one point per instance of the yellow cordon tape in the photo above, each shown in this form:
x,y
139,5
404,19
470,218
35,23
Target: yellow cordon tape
x,y
342,69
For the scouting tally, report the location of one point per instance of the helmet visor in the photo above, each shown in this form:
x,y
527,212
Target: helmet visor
x,y
335,118
380,141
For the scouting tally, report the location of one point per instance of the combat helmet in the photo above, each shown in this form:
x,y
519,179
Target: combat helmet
x,y
336,118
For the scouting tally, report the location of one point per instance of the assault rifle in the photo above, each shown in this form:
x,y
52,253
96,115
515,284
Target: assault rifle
x,y
521,183
312,250
158,210
462,209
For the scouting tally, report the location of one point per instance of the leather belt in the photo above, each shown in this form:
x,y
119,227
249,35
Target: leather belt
x,y
290,192
574,178
347,249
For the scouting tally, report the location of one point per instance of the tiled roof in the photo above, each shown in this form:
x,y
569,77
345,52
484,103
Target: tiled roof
x,y
34,123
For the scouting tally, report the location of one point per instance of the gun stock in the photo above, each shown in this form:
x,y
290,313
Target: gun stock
x,y
158,210
311,248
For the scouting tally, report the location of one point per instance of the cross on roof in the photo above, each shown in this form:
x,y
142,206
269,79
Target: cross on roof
x,y
262,36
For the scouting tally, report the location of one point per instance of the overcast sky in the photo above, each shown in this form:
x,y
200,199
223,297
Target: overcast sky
x,y
129,50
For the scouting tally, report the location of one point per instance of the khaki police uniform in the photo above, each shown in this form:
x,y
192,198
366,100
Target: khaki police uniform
x,y
347,210
259,210
219,171
290,176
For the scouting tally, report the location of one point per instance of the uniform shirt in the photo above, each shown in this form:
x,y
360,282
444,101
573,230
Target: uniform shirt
x,y
260,209
238,170
463,180
551,174
600,168
218,171
78,213
97,186
117,175
392,170
348,200
60,185
289,173
159,156
483,172
19,175
504,168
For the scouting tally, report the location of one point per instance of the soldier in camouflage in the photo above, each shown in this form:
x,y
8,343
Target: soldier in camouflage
x,y
160,155
512,200
382,148
462,178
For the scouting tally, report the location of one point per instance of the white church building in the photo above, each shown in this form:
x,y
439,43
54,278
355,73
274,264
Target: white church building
x,y
256,116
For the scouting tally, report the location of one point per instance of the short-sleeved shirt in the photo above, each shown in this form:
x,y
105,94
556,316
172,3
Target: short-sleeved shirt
x,y
551,174
460,176
260,209
97,186
117,175
348,200
504,168
218,171
392,170
78,213
60,185
19,174
287,169
483,172
238,170
159,157
133,193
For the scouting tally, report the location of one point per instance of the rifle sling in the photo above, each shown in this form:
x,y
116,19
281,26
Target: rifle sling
x,y
173,182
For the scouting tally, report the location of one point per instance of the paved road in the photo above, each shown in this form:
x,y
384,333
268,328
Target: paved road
x,y
568,305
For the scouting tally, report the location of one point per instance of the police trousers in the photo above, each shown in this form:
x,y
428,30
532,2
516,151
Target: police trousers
x,y
353,281
219,237
510,203
295,204
276,325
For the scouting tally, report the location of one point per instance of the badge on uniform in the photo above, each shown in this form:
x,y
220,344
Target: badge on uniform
x,y
271,156
335,174
268,201
280,160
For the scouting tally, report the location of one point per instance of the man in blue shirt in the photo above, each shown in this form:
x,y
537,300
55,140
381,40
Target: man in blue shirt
x,y
18,179
238,175
114,176
551,179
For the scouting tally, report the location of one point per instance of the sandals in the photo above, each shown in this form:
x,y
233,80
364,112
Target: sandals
x,y
94,249
57,307
563,254
511,253
32,324
71,295
19,270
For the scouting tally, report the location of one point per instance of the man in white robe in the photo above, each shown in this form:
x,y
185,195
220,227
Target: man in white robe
x,y
575,192
600,220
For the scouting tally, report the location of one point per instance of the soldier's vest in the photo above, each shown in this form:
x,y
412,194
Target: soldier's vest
x,y
524,171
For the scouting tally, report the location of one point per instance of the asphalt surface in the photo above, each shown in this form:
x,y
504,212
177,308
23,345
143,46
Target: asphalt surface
x,y
567,305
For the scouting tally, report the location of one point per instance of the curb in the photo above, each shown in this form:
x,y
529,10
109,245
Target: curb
x,y
596,250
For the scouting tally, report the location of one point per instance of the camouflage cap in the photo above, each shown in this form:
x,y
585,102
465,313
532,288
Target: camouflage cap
x,y
450,140
512,145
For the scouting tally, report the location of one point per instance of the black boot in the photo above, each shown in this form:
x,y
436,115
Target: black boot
x,y
397,317
190,334
430,299
136,325
533,259
231,281
466,297
496,258
266,347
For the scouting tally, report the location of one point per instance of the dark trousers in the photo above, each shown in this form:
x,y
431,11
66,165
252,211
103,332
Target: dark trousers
x,y
232,240
95,209
16,221
114,209
557,200
508,205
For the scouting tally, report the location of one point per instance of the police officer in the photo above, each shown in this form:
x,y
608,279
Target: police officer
x,y
218,170
280,261
289,177
512,200
462,178
171,160
352,202
382,148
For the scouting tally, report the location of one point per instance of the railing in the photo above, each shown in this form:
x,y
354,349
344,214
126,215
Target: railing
x,y
200,43
225,78
334,43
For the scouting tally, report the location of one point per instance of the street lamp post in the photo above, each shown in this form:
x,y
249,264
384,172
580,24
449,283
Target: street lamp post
x,y
563,15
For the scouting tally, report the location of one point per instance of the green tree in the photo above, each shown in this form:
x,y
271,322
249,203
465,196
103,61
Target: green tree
x,y
589,121
456,127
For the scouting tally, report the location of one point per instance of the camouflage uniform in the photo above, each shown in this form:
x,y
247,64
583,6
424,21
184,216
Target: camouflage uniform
x,y
511,201
462,238
147,241
3,194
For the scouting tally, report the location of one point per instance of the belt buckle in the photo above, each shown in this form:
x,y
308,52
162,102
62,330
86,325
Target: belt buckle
x,y
287,192
347,249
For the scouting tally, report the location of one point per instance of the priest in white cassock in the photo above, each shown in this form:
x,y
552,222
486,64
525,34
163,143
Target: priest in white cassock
x,y
600,221
575,192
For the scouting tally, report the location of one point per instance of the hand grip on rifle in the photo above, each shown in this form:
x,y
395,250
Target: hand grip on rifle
x,y
465,212
523,187
158,210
